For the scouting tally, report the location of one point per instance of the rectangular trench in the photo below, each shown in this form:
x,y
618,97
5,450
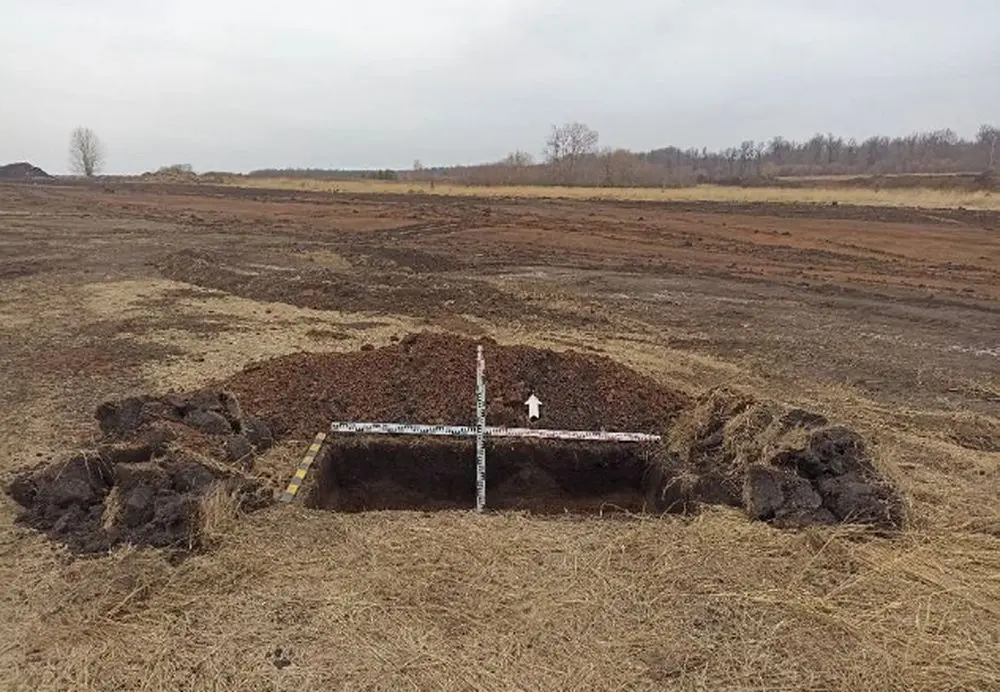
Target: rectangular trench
x,y
367,473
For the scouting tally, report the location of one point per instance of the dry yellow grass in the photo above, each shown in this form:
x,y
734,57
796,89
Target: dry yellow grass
x,y
910,197
296,600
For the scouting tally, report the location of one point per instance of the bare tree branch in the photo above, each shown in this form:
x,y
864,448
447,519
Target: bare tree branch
x,y
86,153
989,136
567,146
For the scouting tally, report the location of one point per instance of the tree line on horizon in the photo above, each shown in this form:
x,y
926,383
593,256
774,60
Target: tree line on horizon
x,y
573,156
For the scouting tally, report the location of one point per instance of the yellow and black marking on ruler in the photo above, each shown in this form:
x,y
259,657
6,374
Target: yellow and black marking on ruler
x,y
303,469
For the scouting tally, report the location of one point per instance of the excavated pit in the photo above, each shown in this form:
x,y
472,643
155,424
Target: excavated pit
x,y
544,477
162,458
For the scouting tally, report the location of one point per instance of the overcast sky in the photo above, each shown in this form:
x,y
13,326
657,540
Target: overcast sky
x,y
237,85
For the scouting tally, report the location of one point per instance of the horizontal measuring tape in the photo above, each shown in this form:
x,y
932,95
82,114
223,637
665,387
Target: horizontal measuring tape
x,y
490,431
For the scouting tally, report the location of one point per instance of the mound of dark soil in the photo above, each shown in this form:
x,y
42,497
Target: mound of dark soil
x,y
144,486
788,467
430,378
22,171
212,414
132,494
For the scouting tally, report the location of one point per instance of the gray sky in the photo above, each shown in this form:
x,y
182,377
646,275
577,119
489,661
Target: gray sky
x,y
236,85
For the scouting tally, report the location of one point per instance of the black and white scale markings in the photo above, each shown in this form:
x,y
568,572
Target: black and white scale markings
x,y
489,431
481,431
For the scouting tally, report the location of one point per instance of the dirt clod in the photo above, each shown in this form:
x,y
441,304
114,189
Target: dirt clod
x,y
257,432
794,468
91,505
121,417
238,448
772,494
154,419
209,422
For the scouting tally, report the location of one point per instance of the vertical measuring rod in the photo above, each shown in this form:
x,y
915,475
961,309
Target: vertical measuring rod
x,y
480,430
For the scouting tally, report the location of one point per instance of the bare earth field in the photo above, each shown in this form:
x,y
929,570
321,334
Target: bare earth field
x,y
884,319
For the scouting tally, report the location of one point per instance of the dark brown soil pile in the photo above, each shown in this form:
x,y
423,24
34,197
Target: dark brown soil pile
x,y
430,378
22,171
216,417
788,467
142,495
145,486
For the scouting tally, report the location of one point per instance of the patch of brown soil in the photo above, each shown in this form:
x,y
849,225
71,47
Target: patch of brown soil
x,y
430,378
16,269
378,289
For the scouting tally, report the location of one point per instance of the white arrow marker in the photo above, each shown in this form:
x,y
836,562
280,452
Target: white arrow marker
x,y
533,403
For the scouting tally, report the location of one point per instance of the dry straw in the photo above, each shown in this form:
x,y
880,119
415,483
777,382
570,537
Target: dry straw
x,y
929,198
451,601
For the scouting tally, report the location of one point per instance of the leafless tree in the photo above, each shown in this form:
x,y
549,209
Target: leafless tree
x,y
86,153
758,154
778,149
989,136
731,155
518,159
834,145
747,148
618,167
567,145
851,151
510,169
177,169
816,146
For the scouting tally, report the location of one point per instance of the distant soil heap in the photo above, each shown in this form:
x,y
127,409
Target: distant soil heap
x,y
22,171
162,456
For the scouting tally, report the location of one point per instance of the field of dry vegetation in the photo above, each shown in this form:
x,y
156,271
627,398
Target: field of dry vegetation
x,y
925,197
883,320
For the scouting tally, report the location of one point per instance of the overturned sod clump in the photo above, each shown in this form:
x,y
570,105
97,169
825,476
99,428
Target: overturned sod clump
x,y
95,501
216,415
163,460
786,466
